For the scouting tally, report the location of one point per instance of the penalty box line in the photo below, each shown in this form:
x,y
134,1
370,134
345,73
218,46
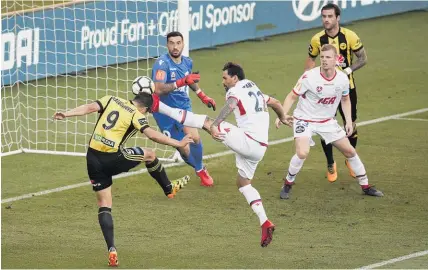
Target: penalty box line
x,y
220,154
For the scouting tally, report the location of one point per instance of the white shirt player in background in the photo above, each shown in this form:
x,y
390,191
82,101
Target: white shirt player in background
x,y
248,140
320,90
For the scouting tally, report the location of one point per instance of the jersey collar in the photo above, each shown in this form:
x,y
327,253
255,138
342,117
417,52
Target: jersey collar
x,y
328,35
170,58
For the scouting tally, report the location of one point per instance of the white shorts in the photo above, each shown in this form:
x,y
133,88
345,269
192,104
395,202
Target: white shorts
x,y
248,152
329,131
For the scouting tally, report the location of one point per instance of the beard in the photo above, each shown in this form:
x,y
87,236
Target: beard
x,y
329,26
175,53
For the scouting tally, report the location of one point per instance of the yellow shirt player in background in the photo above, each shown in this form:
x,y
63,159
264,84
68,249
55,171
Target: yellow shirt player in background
x,y
118,120
348,44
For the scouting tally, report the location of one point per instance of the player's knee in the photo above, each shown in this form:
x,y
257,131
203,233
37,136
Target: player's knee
x,y
302,153
104,201
350,152
149,155
196,137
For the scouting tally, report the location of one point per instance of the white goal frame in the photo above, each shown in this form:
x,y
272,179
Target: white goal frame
x,y
183,27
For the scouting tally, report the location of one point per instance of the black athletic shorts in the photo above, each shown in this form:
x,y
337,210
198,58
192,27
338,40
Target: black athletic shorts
x,y
103,166
353,97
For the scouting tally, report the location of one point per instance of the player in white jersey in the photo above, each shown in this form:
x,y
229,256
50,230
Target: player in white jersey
x,y
320,90
249,139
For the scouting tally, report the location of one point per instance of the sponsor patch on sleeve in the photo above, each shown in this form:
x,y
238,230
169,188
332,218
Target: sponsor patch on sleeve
x,y
143,121
160,75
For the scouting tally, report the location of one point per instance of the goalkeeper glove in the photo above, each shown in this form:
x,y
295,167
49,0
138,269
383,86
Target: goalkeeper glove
x,y
207,100
192,78
348,71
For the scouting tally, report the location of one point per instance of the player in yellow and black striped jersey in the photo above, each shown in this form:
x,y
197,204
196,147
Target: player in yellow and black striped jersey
x,y
347,44
118,120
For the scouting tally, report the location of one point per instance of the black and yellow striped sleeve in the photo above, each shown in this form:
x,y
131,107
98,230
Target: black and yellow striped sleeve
x,y
139,121
102,102
354,41
314,46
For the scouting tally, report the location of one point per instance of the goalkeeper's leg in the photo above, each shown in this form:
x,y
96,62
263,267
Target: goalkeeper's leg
x,y
192,155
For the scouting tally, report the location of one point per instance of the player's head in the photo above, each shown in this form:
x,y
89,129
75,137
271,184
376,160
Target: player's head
x,y
175,44
232,73
330,14
143,102
328,56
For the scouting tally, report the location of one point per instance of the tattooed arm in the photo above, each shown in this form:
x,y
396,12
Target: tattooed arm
x,y
361,61
164,88
231,104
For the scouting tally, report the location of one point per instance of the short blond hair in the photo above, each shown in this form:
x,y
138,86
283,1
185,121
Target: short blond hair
x,y
328,47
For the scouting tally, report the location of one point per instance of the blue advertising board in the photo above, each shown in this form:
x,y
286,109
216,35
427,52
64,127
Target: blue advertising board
x,y
91,34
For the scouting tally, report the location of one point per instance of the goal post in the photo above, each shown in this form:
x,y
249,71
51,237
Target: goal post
x,y
58,57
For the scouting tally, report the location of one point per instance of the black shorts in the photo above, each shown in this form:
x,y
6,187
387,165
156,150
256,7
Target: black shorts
x,y
353,97
103,166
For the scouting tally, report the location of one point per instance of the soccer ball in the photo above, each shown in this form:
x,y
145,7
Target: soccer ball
x,y
143,84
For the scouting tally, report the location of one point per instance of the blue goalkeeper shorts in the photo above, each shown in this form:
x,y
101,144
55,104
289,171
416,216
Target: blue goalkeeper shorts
x,y
171,127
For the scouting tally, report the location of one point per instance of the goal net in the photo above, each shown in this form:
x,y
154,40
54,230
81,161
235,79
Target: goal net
x,y
58,57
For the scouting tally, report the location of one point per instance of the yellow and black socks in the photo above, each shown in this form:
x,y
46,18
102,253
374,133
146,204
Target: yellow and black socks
x,y
157,171
106,222
354,137
328,151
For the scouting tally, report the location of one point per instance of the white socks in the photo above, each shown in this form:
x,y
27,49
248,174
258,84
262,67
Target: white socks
x,y
254,200
359,170
295,165
187,118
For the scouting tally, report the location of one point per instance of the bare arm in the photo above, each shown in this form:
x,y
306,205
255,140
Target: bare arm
x,y
346,107
164,88
160,138
361,60
78,111
231,104
289,101
191,80
282,117
310,63
195,88
276,106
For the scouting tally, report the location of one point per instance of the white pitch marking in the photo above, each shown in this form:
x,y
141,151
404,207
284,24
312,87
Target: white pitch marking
x,y
412,119
398,259
220,154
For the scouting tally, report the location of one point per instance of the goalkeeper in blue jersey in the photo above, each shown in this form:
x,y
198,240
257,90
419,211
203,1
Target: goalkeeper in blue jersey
x,y
172,74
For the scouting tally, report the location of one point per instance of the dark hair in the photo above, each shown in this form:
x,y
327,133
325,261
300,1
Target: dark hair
x,y
174,34
332,6
234,69
143,99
